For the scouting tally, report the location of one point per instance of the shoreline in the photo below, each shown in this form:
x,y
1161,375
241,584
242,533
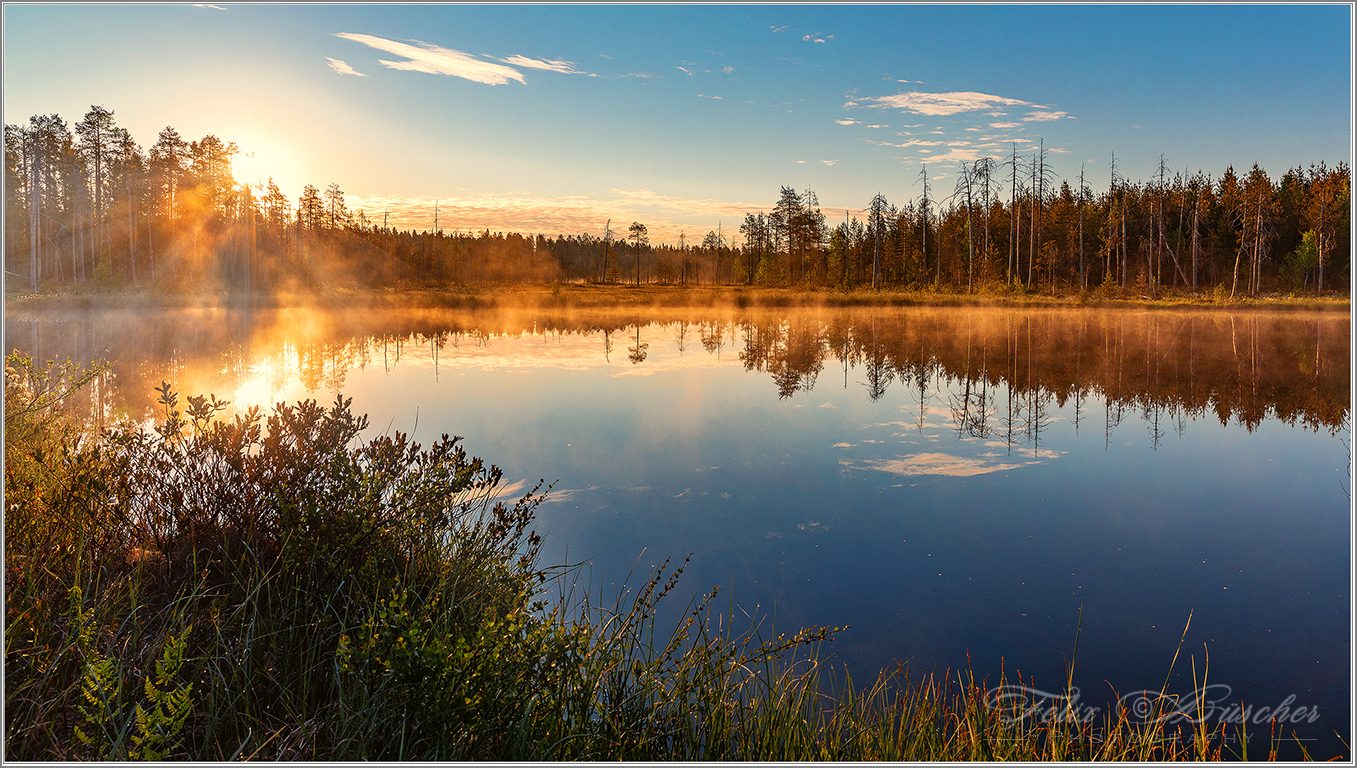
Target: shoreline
x,y
585,296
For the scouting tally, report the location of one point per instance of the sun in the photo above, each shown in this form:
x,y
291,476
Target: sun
x,y
261,158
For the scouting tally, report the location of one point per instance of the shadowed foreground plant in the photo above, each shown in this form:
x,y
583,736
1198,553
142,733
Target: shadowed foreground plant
x,y
244,549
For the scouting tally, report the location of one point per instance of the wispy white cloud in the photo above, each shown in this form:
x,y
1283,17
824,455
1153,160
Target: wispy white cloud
x,y
907,144
208,5
1003,125
687,72
342,67
878,126
547,65
436,60
935,156
705,96
940,464
564,495
828,162
1046,115
956,153
939,104
643,75
727,70
777,28
847,121
512,489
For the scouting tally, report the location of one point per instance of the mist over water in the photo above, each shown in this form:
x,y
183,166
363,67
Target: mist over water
x,y
955,484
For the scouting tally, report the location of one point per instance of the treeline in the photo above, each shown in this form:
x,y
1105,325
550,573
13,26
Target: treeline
x,y
88,203
1011,226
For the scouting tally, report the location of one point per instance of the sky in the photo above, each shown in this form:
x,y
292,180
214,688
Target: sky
x,y
553,119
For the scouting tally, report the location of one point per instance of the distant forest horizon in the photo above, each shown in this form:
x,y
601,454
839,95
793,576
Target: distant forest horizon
x,y
86,204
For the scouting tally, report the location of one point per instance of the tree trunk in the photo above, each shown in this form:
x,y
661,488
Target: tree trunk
x,y
34,223
1032,226
77,254
131,232
1321,239
150,245
1182,203
1160,238
970,237
1257,281
1083,281
1124,260
937,284
1013,217
1234,286
1196,238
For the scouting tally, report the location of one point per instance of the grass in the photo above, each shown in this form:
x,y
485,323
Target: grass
x,y
273,587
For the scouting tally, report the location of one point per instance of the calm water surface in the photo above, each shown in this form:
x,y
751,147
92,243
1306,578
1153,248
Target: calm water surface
x,y
954,484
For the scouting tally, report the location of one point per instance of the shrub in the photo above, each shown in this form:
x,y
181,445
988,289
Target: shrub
x,y
237,555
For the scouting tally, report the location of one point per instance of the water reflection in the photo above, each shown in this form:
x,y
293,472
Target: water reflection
x,y
997,373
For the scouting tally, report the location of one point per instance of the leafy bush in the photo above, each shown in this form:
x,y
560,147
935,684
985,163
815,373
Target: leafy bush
x,y
239,552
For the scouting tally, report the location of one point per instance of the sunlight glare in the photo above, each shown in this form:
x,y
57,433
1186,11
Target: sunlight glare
x,y
254,391
258,160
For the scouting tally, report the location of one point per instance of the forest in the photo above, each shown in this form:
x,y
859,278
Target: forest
x,y
86,204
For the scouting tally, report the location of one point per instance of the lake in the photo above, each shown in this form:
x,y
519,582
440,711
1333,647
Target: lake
x,y
963,487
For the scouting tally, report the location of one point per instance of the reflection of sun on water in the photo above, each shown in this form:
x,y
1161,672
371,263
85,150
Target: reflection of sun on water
x,y
270,380
253,391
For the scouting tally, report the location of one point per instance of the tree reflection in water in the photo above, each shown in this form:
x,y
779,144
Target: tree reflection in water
x,y
1000,371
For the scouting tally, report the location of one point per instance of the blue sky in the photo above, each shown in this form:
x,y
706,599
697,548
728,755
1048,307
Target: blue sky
x,y
555,118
